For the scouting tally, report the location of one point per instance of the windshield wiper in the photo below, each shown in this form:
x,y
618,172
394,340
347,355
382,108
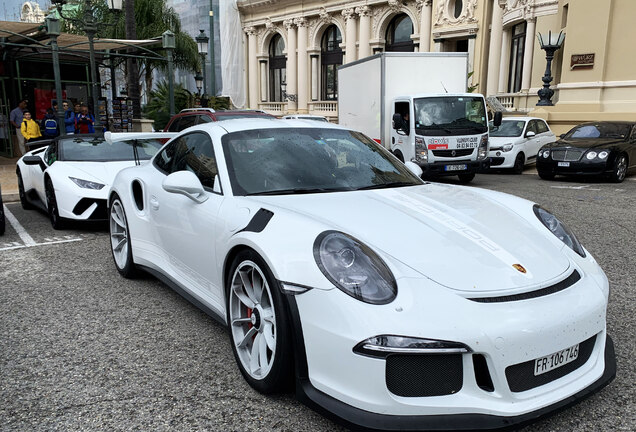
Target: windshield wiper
x,y
297,191
387,185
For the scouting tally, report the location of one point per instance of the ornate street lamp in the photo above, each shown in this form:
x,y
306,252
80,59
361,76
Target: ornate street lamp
x,y
550,45
168,43
202,47
198,80
90,25
53,29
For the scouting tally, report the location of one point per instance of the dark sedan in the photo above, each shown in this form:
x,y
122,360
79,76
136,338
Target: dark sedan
x,y
599,148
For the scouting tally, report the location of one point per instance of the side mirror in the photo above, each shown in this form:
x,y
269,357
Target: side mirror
x,y
31,160
185,183
530,134
397,121
497,119
414,168
562,136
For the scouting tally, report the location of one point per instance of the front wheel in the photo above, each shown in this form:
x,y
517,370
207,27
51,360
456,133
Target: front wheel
x,y
51,203
620,169
519,162
120,239
466,178
259,329
26,205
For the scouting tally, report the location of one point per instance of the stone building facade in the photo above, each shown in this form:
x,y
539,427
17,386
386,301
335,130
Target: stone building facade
x,y
293,48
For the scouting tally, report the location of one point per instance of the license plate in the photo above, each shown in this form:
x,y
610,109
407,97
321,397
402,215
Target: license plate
x,y
556,360
455,168
563,164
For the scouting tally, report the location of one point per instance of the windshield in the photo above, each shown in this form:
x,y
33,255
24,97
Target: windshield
x,y
450,115
94,148
599,130
309,160
508,128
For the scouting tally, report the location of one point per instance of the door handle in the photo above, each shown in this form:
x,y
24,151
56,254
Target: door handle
x,y
154,203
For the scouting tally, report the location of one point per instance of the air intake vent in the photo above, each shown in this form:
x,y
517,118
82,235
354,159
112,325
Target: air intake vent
x,y
424,375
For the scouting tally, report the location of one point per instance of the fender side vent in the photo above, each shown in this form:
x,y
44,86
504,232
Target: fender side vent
x,y
259,221
138,195
559,286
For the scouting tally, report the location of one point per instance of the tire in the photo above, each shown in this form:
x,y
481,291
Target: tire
x,y
2,222
51,204
519,163
26,205
398,154
546,175
620,169
258,324
466,178
120,245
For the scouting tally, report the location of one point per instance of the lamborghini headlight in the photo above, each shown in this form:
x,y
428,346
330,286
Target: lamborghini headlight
x,y
559,229
354,268
86,184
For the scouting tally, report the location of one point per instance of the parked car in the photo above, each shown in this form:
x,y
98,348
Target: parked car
x,y
70,177
517,141
598,148
305,117
387,300
2,222
196,116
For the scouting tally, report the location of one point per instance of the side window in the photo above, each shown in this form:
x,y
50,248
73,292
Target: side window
x,y
541,126
174,127
166,158
187,121
198,158
403,108
532,127
51,154
204,119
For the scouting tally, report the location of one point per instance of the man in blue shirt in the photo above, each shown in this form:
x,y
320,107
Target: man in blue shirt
x,y
69,119
15,117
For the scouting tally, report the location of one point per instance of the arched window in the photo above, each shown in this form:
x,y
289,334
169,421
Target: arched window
x,y
277,63
331,58
398,34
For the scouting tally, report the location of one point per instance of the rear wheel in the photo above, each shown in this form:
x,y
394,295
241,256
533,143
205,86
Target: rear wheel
x,y
26,205
546,175
120,239
620,169
259,328
519,162
466,178
1,217
51,204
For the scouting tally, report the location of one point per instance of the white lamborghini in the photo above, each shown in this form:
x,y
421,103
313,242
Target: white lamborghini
x,y
70,176
391,303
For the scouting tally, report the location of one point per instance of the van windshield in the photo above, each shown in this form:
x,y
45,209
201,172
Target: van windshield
x,y
450,115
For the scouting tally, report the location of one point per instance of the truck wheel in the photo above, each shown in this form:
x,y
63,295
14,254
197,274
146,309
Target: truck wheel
x,y
398,154
466,178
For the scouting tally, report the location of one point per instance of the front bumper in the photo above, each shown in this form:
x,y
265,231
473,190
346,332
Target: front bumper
x,y
501,159
575,168
445,168
90,206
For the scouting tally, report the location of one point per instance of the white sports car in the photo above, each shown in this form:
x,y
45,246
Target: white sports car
x,y
69,178
391,303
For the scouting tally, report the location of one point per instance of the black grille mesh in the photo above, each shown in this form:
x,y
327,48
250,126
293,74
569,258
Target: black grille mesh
x,y
449,153
521,376
424,375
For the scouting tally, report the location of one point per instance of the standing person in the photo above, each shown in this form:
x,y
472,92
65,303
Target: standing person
x,y
77,109
69,119
30,129
84,121
15,117
51,128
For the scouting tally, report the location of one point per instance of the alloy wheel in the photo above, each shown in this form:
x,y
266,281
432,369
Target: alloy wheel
x,y
621,169
119,234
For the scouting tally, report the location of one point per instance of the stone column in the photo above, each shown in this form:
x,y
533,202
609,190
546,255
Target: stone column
x,y
264,86
303,60
504,65
292,64
314,77
438,44
252,67
472,38
425,24
350,32
494,51
528,54
365,31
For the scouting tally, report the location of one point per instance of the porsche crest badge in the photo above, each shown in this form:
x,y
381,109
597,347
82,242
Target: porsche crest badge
x,y
519,267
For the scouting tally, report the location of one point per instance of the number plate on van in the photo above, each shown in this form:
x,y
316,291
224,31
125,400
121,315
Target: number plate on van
x,y
455,167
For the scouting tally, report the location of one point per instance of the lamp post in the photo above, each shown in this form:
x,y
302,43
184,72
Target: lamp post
x,y
198,80
202,47
168,43
53,30
550,45
90,25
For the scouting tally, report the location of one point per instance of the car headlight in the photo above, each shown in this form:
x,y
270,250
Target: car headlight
x,y
483,148
507,147
591,155
354,268
87,184
421,152
544,153
559,229
603,155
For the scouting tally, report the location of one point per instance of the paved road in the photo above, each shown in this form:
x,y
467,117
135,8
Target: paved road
x,y
83,349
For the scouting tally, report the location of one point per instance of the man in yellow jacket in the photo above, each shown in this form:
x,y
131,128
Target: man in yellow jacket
x,y
30,129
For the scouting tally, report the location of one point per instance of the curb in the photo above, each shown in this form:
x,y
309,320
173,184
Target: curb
x,y
10,197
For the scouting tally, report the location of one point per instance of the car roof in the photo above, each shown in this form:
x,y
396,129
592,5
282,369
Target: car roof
x,y
237,125
526,118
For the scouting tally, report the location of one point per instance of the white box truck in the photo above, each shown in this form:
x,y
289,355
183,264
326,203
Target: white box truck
x,y
417,106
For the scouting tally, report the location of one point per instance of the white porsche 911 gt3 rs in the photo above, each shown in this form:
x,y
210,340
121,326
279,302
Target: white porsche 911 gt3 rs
x,y
70,177
390,302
